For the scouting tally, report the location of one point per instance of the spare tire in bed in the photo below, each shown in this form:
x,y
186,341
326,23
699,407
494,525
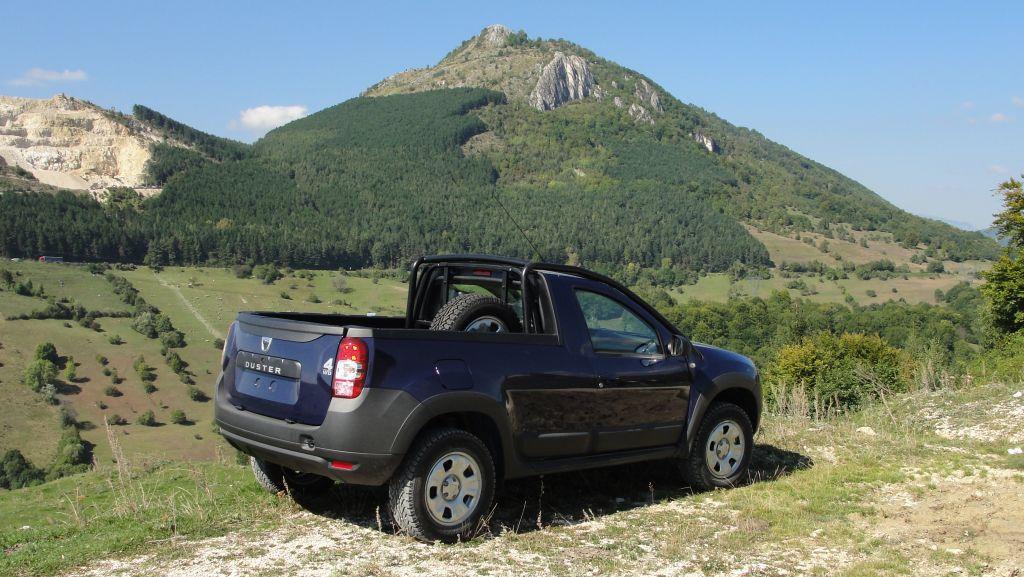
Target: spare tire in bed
x,y
476,313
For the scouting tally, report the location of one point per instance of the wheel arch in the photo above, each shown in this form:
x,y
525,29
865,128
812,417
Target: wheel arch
x,y
475,413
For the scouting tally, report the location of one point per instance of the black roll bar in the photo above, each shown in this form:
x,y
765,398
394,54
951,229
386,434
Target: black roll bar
x,y
528,267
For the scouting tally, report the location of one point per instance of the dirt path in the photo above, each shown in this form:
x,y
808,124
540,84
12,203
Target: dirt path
x,y
195,312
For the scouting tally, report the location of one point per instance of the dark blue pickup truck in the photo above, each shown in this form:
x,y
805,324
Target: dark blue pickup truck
x,y
501,368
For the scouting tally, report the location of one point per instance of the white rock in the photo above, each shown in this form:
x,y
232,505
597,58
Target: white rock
x,y
1018,394
648,95
866,431
495,35
1015,451
74,144
705,141
639,113
562,80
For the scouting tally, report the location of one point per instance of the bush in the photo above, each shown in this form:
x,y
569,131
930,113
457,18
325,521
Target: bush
x,y
267,273
146,372
172,339
73,455
312,298
102,360
115,420
16,471
38,374
840,372
340,284
286,296
218,343
115,340
936,266
197,395
150,388
112,391
70,374
49,394
242,270
178,417
47,352
147,419
871,293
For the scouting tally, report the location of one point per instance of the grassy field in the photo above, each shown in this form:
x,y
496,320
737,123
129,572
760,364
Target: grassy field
x,y
918,287
201,302
921,484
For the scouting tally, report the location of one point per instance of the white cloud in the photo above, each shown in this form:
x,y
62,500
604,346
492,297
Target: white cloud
x,y
999,117
261,119
41,76
997,169
967,104
1018,101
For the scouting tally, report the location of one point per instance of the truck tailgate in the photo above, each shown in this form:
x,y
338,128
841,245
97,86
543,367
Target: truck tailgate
x,y
283,374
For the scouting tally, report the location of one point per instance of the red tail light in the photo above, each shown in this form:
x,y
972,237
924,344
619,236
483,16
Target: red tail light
x,y
350,368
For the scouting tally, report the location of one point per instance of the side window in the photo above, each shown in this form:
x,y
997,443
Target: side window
x,y
614,328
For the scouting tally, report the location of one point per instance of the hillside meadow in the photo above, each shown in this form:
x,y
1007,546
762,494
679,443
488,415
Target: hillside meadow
x,y
201,303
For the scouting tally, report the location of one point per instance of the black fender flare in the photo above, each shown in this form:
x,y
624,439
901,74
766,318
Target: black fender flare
x,y
707,392
460,402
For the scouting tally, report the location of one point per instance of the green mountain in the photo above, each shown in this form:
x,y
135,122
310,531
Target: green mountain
x,y
597,163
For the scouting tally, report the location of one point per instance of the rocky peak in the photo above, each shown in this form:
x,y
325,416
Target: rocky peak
x,y
495,35
563,79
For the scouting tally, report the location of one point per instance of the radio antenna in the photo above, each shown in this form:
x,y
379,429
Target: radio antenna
x,y
494,193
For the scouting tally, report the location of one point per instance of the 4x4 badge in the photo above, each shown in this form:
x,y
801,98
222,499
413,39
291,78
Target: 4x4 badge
x,y
328,367
265,343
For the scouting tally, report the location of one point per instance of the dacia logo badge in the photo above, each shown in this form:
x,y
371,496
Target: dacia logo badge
x,y
265,343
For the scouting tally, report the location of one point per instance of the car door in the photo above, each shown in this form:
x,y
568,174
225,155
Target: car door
x,y
643,392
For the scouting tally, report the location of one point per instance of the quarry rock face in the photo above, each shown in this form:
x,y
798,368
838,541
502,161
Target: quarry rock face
x,y
74,144
563,79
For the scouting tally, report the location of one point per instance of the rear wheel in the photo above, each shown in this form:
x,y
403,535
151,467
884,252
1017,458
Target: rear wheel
x,y
276,479
268,475
721,453
444,486
476,313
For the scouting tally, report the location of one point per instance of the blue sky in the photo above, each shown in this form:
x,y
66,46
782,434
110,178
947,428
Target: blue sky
x,y
923,103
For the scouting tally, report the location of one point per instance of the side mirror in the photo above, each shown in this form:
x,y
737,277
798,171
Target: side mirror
x,y
678,346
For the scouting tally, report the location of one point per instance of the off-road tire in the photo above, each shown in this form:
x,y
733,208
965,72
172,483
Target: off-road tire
x,y
405,489
695,468
268,475
274,479
461,311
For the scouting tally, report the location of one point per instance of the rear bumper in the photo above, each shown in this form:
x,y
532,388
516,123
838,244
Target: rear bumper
x,y
357,431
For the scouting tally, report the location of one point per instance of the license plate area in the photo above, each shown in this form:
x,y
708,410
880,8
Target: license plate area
x,y
269,378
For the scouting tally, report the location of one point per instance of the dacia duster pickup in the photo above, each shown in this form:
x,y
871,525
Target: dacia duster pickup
x,y
501,368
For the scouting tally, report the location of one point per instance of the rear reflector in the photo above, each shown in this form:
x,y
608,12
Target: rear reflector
x,y
350,368
343,465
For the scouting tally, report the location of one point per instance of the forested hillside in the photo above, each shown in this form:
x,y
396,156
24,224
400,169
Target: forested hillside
x,y
623,175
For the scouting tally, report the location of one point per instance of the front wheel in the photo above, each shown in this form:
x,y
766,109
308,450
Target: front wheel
x,y
721,453
444,486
